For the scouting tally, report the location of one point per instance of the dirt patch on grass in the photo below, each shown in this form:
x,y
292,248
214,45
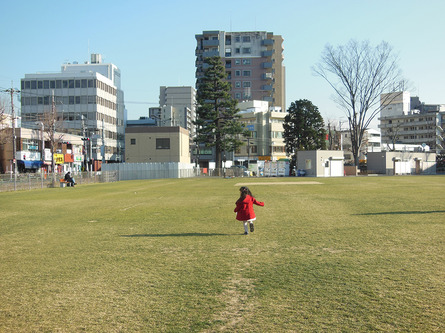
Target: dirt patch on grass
x,y
280,183
238,305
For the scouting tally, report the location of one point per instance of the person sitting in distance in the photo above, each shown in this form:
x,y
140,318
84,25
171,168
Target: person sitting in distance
x,y
69,179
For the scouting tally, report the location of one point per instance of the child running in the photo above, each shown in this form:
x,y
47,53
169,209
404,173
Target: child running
x,y
244,208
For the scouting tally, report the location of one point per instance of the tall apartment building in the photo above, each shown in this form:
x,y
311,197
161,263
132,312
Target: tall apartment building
x,y
266,127
88,101
177,107
253,62
406,120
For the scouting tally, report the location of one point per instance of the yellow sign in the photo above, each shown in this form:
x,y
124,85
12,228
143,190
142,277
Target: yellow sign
x,y
264,158
58,158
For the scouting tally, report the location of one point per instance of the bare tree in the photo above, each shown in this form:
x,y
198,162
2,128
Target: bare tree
x,y
394,134
359,75
5,135
51,127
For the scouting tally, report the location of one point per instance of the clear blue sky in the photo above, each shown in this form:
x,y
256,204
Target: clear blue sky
x,y
153,42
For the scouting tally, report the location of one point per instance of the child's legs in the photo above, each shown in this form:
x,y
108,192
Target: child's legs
x,y
246,226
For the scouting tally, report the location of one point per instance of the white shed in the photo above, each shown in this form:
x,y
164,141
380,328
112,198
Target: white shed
x,y
321,163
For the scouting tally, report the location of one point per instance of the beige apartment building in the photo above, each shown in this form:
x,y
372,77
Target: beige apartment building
x,y
265,124
253,62
145,144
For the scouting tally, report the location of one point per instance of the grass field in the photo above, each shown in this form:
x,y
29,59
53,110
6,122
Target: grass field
x,y
355,254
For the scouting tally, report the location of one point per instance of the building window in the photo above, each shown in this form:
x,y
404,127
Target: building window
x,y
246,73
133,141
246,50
246,39
163,143
237,39
238,73
237,61
237,95
247,61
237,84
246,84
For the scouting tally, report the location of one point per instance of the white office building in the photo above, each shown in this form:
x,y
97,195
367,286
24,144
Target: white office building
x,y
88,101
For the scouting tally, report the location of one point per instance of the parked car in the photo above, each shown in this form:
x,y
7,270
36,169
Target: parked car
x,y
240,170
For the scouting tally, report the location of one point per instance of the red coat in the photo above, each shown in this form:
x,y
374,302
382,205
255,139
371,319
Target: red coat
x,y
244,208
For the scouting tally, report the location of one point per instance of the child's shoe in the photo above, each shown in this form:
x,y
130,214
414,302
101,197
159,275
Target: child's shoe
x,y
251,227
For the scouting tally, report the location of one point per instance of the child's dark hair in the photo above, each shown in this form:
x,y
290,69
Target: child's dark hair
x,y
244,192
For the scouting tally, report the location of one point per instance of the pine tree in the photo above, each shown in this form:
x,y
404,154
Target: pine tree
x,y
217,122
303,128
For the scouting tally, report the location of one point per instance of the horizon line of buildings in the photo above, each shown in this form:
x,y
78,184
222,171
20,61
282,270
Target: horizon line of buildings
x,y
87,101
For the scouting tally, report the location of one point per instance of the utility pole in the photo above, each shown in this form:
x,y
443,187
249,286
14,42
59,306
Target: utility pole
x,y
53,134
103,142
12,91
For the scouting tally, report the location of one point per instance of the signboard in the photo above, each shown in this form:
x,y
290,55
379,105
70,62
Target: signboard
x,y
58,158
47,154
251,127
28,155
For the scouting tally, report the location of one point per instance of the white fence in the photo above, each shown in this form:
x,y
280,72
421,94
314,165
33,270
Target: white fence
x,y
133,171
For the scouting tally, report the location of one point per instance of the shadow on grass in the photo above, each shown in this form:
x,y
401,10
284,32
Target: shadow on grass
x,y
186,234
405,213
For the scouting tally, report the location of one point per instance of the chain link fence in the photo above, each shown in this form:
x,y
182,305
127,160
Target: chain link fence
x,y
32,181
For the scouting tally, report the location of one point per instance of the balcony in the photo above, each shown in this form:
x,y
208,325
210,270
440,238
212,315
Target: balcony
x,y
267,87
267,53
267,64
267,42
210,43
267,76
207,54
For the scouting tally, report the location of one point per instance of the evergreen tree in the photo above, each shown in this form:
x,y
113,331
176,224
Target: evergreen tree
x,y
217,122
303,129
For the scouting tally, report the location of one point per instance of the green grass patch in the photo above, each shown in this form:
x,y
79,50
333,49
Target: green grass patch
x,y
353,254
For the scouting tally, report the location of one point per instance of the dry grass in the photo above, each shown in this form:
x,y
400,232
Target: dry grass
x,y
350,254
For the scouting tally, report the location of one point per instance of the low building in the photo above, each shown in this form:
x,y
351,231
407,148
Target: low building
x,y
145,144
320,163
33,152
402,163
